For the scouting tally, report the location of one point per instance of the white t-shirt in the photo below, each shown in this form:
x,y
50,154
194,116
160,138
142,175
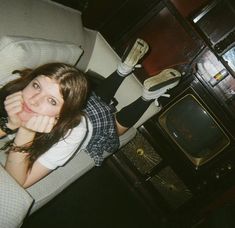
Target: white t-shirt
x,y
60,153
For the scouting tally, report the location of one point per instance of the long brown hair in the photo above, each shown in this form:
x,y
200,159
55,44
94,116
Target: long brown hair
x,y
74,89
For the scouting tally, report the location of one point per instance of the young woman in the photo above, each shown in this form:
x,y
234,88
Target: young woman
x,y
40,107
46,137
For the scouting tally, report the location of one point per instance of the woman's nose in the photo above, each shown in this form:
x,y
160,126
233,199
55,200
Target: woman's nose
x,y
35,100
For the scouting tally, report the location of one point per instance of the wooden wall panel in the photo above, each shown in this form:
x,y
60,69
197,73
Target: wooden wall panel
x,y
171,45
187,7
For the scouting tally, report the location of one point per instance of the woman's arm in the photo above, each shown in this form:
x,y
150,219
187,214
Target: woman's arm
x,y
17,162
17,166
37,172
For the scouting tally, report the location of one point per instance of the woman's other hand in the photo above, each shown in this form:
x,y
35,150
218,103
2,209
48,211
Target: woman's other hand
x,y
13,105
42,124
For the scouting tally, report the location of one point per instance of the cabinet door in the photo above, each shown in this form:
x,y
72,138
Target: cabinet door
x,y
149,174
172,44
160,22
186,7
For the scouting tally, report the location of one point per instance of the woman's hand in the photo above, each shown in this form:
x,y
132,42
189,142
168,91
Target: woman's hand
x,y
27,132
13,105
42,124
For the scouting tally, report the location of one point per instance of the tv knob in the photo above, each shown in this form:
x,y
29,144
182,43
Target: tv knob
x,y
217,176
229,166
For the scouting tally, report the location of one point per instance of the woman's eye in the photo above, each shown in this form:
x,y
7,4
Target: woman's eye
x,y
35,85
52,101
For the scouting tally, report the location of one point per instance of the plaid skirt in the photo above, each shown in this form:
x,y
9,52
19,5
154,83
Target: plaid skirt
x,y
104,135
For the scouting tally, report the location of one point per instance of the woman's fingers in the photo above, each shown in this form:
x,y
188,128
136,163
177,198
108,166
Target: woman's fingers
x,y
13,103
50,125
13,106
14,98
43,124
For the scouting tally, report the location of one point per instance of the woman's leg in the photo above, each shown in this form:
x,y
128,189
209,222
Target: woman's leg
x,y
107,89
130,114
153,88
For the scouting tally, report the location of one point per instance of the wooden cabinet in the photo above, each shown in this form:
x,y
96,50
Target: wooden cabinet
x,y
186,8
160,171
140,165
153,171
163,24
116,19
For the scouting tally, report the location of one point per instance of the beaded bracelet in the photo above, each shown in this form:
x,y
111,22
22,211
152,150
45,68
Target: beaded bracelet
x,y
3,126
19,149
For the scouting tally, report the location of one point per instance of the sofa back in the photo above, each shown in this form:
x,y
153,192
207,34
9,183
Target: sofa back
x,y
45,19
41,19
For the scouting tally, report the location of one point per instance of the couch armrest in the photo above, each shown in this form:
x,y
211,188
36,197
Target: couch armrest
x,y
14,201
103,59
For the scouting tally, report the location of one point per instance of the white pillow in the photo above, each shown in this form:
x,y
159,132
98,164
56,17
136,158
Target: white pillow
x,y
26,52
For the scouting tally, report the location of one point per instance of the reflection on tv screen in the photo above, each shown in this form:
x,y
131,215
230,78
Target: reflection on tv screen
x,y
194,130
229,56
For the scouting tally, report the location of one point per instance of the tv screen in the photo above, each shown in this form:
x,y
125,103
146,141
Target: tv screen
x,y
194,130
229,56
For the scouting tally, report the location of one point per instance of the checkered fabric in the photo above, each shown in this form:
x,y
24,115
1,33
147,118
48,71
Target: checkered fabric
x,y
104,136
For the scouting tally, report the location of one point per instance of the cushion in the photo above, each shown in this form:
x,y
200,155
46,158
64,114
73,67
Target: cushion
x,y
14,200
25,52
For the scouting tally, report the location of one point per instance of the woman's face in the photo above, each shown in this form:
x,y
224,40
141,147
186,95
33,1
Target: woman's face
x,y
41,97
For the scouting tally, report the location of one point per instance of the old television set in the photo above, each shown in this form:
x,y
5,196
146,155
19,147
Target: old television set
x,y
194,125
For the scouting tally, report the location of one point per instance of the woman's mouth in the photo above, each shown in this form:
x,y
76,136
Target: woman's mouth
x,y
27,109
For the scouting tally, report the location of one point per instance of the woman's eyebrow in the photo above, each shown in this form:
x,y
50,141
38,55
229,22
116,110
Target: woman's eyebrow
x,y
35,79
58,100
58,97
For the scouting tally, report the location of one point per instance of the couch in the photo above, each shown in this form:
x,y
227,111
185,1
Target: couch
x,y
46,21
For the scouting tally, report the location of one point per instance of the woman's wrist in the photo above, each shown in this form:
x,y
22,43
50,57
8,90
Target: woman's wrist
x,y
24,137
12,126
24,149
5,126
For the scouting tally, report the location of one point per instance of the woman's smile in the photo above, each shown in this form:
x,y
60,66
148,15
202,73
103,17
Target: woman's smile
x,y
27,109
26,113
